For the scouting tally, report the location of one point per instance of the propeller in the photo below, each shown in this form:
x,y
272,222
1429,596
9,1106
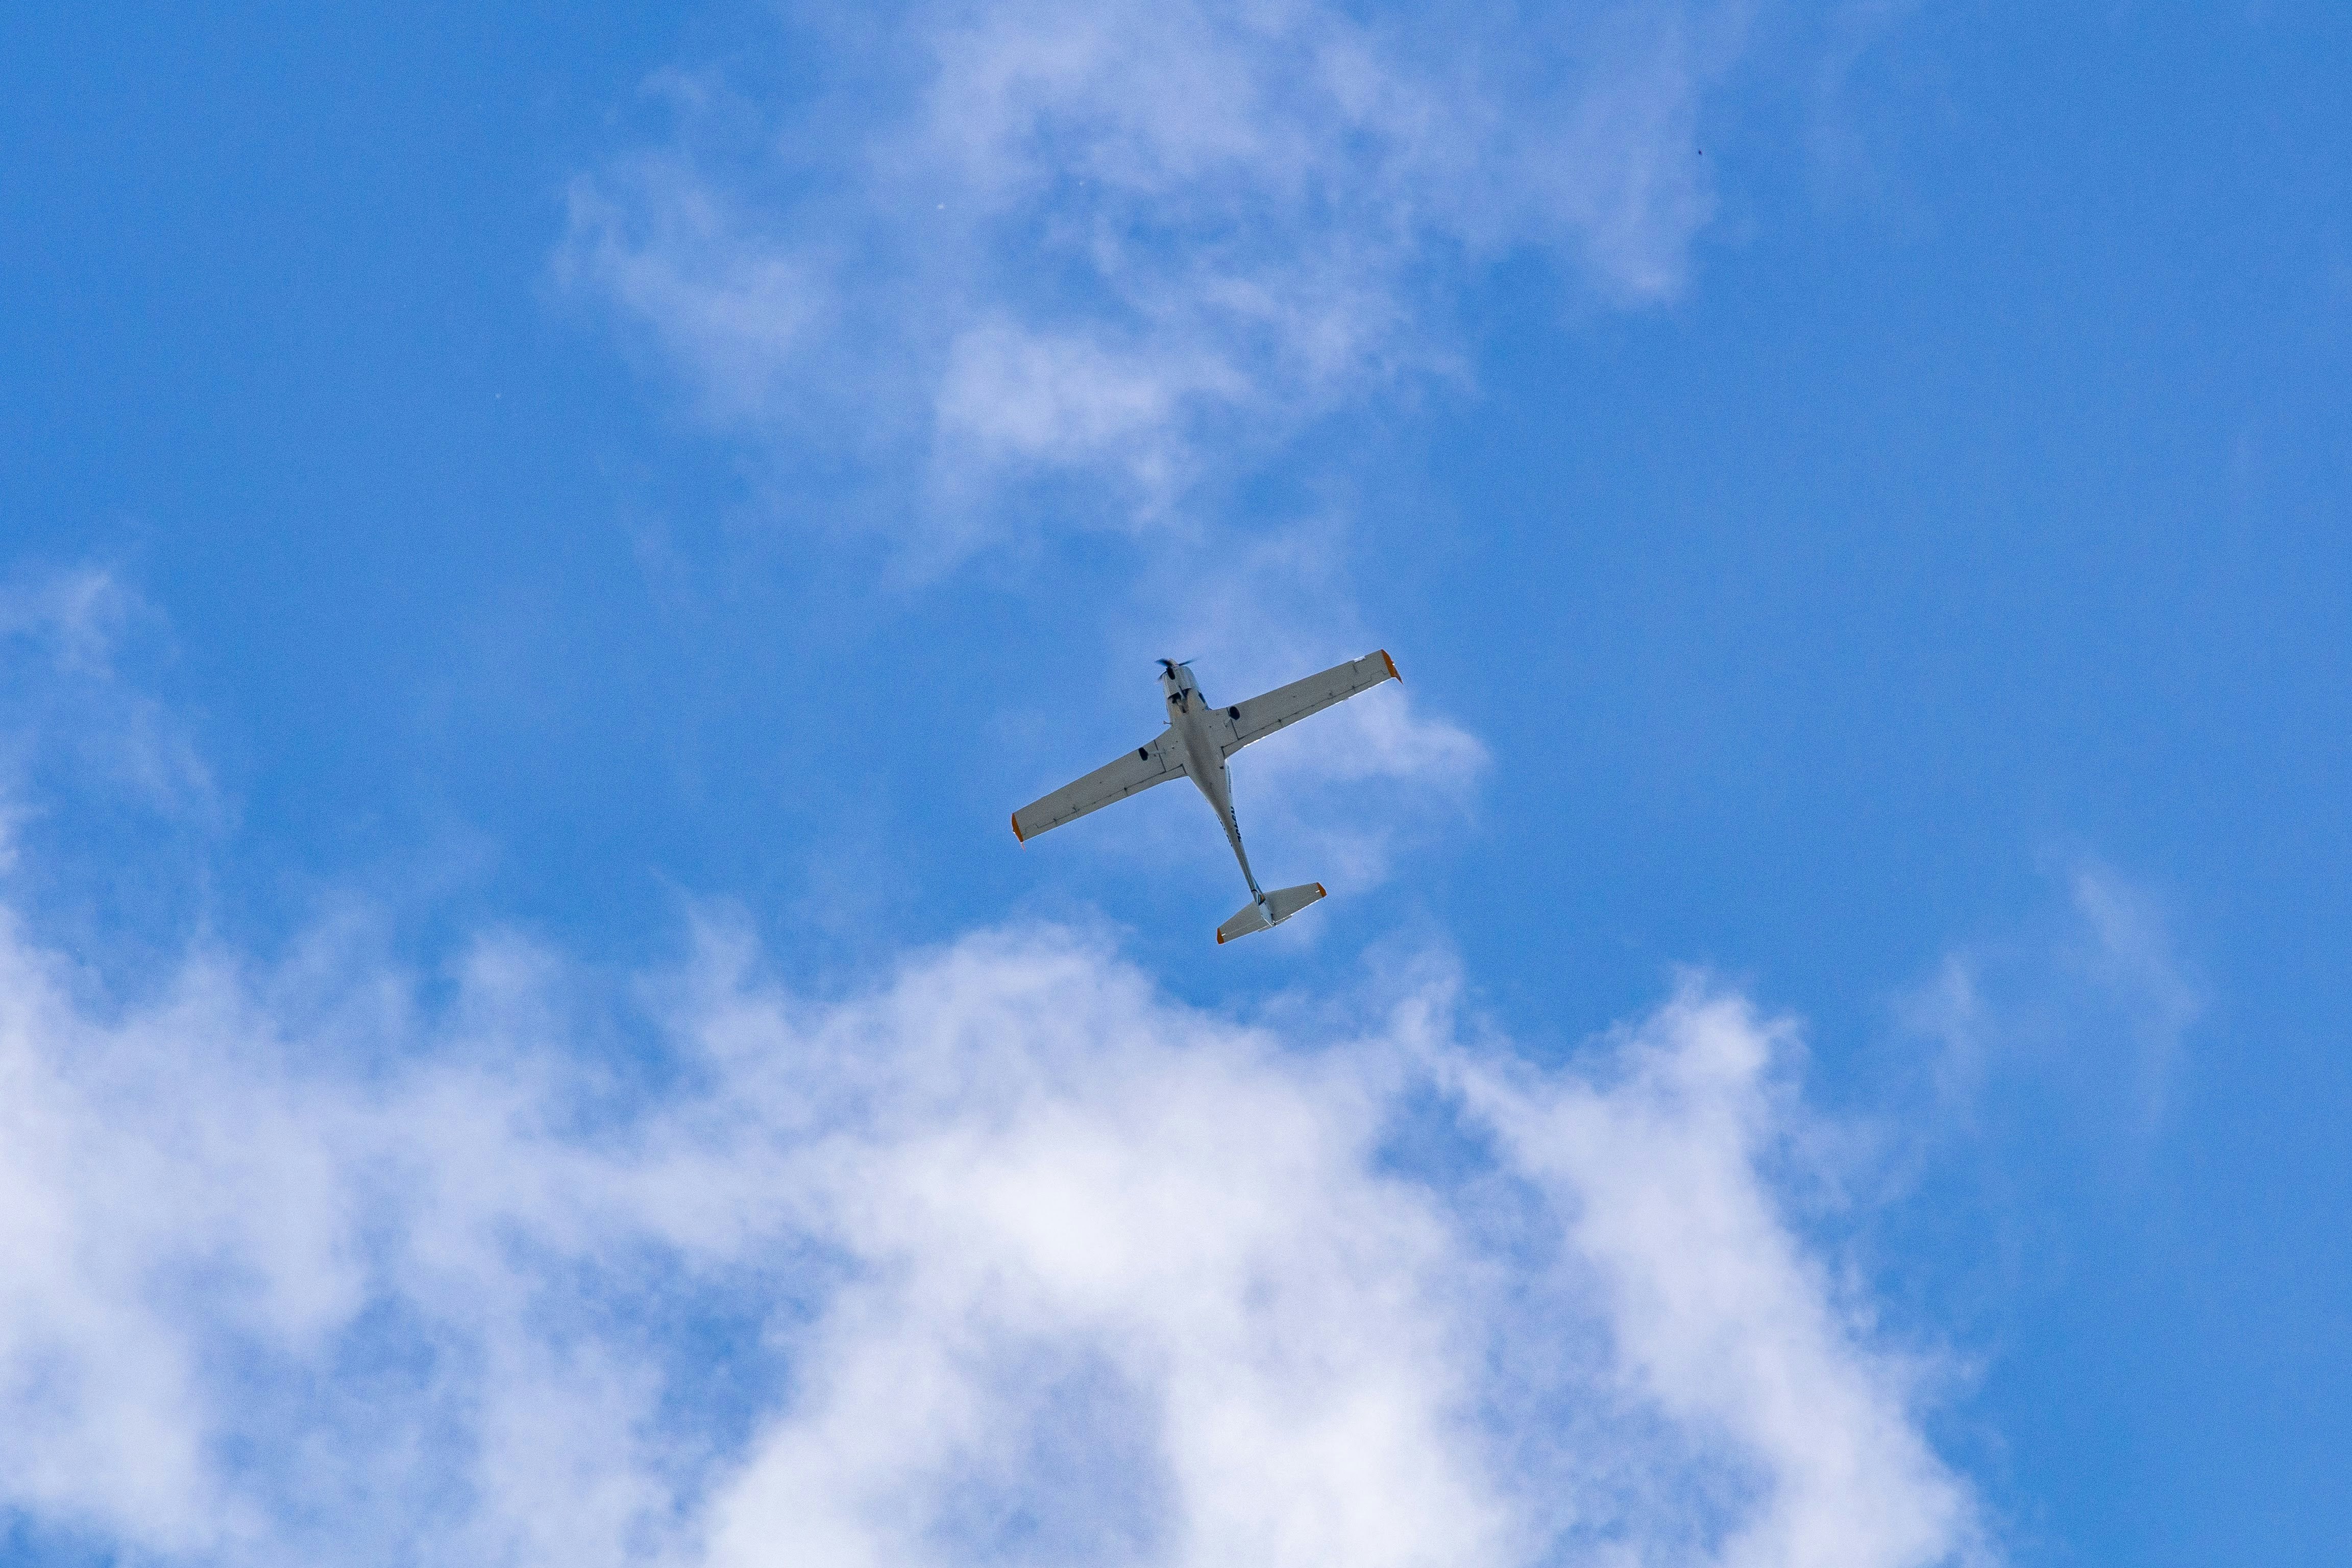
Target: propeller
x,y
1181,697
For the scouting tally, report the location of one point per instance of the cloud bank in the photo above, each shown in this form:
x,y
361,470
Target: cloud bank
x,y
1008,1257
1072,260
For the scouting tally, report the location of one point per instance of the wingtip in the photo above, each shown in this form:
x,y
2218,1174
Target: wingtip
x,y
1392,669
1319,891
1221,938
1016,828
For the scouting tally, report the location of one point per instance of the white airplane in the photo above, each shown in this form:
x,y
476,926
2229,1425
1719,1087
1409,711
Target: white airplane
x,y
1197,739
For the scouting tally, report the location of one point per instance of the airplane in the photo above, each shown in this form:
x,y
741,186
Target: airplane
x,y
1197,739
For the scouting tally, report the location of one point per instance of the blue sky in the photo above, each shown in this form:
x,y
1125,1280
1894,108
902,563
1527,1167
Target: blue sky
x,y
538,547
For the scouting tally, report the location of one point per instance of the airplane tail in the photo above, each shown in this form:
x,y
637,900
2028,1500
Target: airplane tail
x,y
1278,906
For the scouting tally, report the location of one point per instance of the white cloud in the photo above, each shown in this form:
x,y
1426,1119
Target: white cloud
x,y
1009,1258
1136,244
1719,1314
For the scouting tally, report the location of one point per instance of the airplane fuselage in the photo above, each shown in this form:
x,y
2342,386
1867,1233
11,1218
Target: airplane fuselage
x,y
1203,735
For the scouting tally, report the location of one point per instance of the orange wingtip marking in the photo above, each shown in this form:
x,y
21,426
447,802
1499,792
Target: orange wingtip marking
x,y
1320,893
1391,664
1221,938
1016,827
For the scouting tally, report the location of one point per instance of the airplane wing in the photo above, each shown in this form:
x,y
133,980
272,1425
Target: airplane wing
x,y
1262,716
1133,774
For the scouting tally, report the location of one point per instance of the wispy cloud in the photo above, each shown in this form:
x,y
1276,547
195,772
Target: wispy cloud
x,y
1009,1257
1035,243
2097,1001
2124,950
71,721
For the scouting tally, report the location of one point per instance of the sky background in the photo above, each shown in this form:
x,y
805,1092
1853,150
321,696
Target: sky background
x,y
538,547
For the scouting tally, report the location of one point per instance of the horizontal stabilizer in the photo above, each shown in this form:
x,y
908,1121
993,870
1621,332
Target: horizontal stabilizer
x,y
1279,906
